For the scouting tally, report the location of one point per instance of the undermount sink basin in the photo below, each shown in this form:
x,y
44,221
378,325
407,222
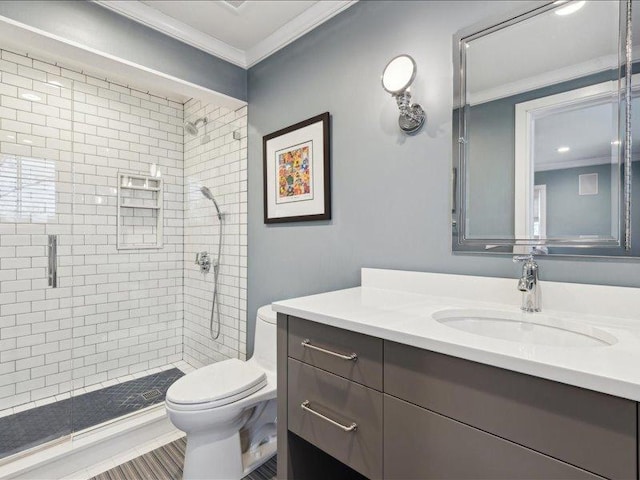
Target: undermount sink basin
x,y
523,327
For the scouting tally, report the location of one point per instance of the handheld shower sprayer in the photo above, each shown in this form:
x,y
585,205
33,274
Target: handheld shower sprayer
x,y
207,193
215,263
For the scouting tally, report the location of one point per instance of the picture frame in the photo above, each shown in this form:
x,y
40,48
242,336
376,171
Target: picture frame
x,y
296,170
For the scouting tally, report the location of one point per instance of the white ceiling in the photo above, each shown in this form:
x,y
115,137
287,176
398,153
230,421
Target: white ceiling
x,y
241,28
242,33
588,132
520,58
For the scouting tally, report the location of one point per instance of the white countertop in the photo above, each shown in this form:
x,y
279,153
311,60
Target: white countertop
x,y
385,309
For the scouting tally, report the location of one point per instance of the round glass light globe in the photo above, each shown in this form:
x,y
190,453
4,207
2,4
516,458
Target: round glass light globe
x,y
399,74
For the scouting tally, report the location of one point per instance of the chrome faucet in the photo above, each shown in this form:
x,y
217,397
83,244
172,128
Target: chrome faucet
x,y
528,284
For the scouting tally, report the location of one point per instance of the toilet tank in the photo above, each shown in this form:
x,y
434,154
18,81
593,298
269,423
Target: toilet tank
x,y
264,345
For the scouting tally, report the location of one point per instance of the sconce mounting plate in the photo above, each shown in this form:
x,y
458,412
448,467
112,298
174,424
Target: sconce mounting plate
x,y
412,120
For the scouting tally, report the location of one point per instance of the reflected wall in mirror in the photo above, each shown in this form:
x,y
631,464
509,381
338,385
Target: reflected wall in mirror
x,y
540,130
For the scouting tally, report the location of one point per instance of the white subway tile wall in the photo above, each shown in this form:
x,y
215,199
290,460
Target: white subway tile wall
x,y
64,136
214,158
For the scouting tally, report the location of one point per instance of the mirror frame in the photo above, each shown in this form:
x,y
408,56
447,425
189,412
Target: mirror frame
x,y
620,247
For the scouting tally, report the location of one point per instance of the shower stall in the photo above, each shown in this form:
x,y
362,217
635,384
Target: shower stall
x,y
101,215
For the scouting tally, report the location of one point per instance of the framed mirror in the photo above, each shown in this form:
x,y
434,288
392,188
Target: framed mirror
x,y
540,127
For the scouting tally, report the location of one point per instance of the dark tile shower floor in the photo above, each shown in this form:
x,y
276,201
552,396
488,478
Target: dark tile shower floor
x,y
42,424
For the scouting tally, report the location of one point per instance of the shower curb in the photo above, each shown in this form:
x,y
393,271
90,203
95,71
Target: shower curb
x,y
94,446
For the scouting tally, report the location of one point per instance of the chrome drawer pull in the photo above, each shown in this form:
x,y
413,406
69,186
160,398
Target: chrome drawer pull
x,y
307,344
305,406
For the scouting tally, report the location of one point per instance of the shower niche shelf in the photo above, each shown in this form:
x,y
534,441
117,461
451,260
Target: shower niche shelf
x,y
140,212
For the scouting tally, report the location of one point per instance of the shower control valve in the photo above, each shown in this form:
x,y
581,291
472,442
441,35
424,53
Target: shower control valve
x,y
204,261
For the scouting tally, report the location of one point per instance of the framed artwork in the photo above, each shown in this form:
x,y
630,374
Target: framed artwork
x,y
297,185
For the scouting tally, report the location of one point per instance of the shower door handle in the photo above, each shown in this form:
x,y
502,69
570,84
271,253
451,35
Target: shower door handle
x,y
52,270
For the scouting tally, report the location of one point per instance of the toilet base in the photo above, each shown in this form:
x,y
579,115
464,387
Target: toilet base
x,y
253,459
207,459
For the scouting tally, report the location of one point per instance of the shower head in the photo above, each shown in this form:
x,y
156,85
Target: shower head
x,y
192,127
207,193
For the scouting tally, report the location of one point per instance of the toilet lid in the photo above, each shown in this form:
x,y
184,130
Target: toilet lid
x,y
229,378
266,314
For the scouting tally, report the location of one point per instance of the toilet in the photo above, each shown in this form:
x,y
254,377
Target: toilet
x,y
228,410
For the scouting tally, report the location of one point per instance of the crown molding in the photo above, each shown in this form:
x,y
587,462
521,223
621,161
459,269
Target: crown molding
x,y
303,23
583,162
575,163
570,72
296,28
152,18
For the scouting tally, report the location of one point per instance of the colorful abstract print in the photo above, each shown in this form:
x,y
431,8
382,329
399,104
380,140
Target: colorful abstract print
x,y
294,174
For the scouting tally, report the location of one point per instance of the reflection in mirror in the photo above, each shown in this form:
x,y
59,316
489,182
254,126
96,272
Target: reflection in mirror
x,y
565,142
539,126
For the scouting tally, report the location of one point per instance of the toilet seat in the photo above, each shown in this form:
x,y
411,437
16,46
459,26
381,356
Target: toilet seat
x,y
216,385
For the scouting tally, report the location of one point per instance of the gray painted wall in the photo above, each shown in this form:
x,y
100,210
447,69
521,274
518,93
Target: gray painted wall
x,y
89,24
490,161
569,213
391,193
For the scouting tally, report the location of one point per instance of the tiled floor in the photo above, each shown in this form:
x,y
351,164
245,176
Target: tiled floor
x,y
36,426
165,463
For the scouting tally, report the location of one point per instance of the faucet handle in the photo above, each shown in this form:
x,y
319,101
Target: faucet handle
x,y
202,257
522,258
204,261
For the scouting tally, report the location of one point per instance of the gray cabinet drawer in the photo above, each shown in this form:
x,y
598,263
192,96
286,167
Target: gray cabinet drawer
x,y
343,402
419,444
591,430
365,369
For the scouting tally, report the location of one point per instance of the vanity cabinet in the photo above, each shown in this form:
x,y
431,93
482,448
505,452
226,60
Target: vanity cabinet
x,y
350,405
306,337
422,444
400,412
591,430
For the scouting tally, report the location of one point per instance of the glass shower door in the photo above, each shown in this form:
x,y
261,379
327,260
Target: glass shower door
x,y
127,250
36,187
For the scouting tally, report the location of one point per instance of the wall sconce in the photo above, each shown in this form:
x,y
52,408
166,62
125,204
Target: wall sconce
x,y
397,77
